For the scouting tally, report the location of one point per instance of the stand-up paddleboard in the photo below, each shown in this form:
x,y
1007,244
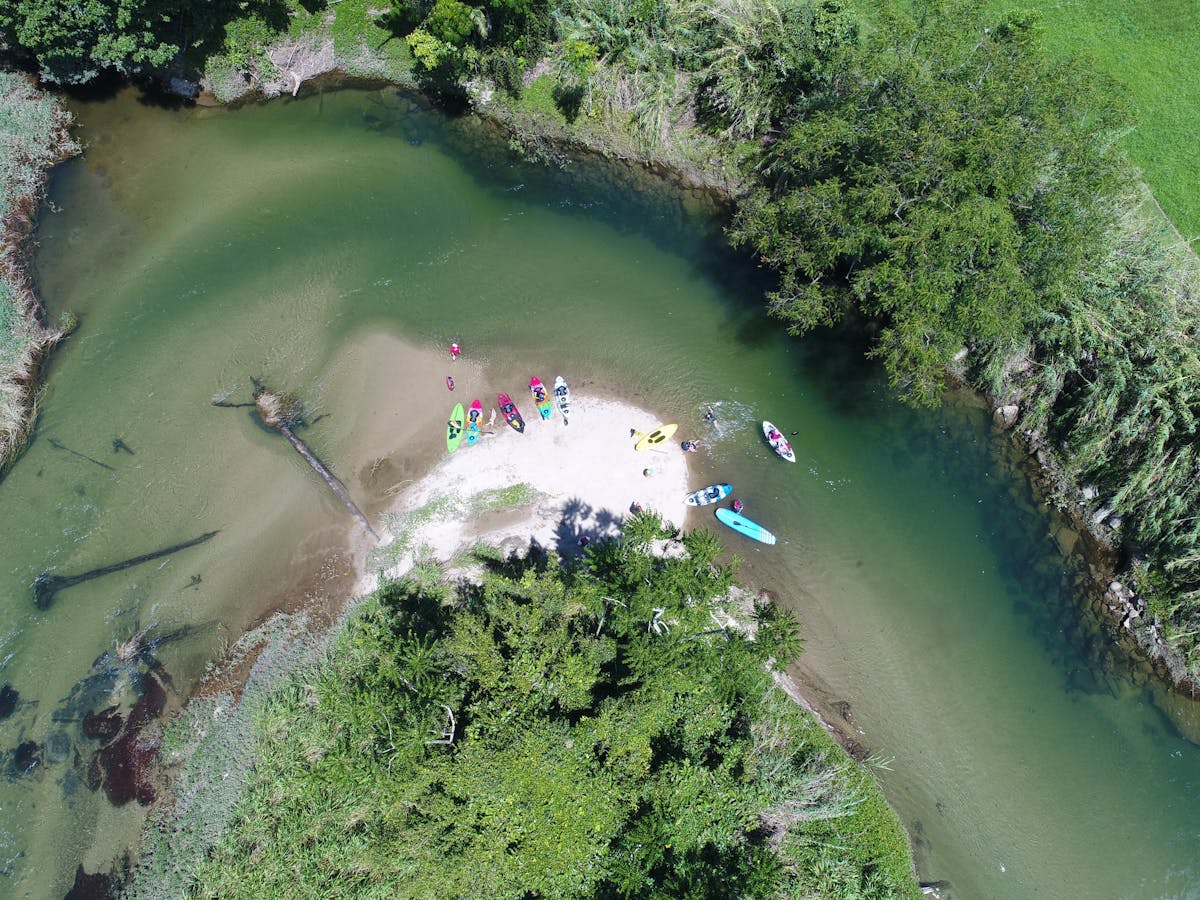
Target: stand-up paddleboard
x,y
562,396
779,443
541,399
710,494
473,418
741,524
454,428
654,438
508,409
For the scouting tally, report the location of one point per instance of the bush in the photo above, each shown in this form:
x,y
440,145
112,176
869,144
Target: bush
x,y
555,732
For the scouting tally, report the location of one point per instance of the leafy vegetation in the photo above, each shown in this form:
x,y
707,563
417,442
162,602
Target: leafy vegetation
x,y
557,732
1116,386
944,190
72,43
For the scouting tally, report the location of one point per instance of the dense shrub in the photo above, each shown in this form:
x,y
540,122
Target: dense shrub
x,y
559,733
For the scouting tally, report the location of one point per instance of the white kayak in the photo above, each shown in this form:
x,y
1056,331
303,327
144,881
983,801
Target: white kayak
x,y
777,441
710,494
562,396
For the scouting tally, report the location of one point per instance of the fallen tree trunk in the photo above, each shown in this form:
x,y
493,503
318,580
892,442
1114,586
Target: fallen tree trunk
x,y
283,413
45,586
330,479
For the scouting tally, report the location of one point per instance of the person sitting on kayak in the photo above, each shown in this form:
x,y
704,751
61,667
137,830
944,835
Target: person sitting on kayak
x,y
454,427
775,435
737,506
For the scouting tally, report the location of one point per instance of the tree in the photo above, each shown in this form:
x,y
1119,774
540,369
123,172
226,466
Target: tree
x,y
610,742
767,56
945,188
72,42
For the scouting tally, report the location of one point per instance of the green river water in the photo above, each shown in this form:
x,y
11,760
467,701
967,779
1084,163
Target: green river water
x,y
333,246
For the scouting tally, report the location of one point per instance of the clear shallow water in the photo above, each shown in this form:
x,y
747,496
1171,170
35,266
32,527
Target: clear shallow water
x,y
333,246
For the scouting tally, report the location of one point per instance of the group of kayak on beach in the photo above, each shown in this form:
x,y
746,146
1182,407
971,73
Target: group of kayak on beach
x,y
469,423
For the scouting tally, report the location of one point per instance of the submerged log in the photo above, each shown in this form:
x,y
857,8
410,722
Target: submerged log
x,y
284,414
45,586
330,479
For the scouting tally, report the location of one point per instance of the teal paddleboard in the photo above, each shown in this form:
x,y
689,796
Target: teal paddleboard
x,y
741,524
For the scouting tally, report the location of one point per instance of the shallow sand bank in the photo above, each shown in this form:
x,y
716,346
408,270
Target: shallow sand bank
x,y
582,479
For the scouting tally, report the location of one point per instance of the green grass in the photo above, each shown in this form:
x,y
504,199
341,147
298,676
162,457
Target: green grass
x,y
499,498
1152,48
364,47
538,98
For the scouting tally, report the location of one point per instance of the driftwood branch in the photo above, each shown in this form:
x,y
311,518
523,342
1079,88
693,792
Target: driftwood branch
x,y
45,586
335,485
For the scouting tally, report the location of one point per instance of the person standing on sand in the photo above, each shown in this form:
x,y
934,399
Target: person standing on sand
x,y
454,350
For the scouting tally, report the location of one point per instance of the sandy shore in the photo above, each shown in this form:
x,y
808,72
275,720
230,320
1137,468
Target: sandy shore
x,y
582,479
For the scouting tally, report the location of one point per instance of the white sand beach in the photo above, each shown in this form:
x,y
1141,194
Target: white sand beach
x,y
580,479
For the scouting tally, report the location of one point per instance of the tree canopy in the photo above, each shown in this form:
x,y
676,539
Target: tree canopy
x,y
72,42
558,733
945,187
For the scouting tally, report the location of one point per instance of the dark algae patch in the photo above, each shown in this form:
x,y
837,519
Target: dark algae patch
x,y
125,766
8,701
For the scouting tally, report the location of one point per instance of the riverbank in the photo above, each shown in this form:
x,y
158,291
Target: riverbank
x,y
34,136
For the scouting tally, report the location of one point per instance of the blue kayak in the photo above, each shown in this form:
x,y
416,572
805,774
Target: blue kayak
x,y
741,524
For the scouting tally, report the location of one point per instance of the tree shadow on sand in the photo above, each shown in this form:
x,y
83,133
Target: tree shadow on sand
x,y
578,520
581,520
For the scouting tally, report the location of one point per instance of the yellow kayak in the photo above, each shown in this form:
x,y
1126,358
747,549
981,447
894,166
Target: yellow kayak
x,y
654,438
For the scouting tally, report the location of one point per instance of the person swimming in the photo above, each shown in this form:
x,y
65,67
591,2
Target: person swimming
x,y
710,416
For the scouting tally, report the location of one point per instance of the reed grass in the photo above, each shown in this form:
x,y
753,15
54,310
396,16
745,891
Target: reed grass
x,y
33,136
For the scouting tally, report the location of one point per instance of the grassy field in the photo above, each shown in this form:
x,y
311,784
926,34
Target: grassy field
x,y
1152,47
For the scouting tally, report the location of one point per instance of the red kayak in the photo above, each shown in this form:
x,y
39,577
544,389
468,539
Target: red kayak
x,y
508,409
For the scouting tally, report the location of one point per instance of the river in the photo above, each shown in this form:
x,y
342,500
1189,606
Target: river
x,y
334,245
